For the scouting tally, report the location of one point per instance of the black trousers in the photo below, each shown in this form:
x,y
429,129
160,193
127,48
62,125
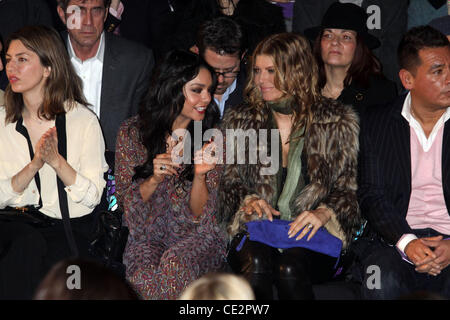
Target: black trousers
x,y
398,278
27,253
293,272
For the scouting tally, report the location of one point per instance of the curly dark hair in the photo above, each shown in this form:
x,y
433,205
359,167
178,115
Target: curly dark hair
x,y
413,41
164,102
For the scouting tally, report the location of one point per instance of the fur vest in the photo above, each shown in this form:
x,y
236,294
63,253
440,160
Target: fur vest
x,y
331,146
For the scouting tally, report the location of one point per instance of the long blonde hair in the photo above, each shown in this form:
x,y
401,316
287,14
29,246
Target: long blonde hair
x,y
296,74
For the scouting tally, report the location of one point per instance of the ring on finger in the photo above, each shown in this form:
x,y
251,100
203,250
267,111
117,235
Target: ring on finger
x,y
309,226
163,167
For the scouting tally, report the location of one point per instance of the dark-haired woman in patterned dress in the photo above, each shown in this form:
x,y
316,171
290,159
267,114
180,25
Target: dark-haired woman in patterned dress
x,y
168,207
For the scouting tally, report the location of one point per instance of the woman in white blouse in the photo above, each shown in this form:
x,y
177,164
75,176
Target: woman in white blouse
x,y
43,89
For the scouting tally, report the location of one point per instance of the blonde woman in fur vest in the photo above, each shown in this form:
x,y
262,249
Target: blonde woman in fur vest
x,y
315,184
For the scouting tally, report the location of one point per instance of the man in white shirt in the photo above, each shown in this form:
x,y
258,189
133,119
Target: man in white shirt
x,y
115,72
220,42
404,168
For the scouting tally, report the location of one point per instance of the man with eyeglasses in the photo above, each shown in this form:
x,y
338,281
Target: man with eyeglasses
x,y
220,42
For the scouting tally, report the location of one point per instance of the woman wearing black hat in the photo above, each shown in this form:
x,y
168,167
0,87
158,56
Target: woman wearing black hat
x,y
348,70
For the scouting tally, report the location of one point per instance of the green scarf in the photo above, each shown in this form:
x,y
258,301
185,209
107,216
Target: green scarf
x,y
284,198
283,105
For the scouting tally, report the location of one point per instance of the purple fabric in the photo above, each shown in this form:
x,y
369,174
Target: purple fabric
x,y
288,9
275,234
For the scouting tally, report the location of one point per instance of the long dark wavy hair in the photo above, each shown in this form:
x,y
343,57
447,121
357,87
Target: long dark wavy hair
x,y
164,102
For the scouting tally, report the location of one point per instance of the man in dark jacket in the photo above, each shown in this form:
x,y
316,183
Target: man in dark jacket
x,y
404,168
115,71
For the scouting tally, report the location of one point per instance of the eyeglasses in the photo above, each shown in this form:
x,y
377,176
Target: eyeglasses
x,y
227,74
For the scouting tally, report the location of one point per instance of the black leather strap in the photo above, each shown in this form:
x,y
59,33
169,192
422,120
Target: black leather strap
x,y
23,131
60,124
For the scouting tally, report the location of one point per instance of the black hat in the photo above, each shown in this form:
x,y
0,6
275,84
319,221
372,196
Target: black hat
x,y
442,24
345,16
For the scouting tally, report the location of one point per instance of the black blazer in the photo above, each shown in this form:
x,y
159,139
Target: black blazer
x,y
237,96
127,68
379,92
385,170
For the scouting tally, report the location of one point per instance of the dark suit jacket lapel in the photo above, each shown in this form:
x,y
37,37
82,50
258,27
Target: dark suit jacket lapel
x,y
401,137
110,64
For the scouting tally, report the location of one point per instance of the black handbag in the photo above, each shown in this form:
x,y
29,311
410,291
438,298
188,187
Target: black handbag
x,y
109,236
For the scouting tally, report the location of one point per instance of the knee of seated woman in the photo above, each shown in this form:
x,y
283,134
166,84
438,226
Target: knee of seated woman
x,y
290,267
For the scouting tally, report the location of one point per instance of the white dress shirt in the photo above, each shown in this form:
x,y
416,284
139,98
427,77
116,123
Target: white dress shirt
x,y
91,73
85,154
425,142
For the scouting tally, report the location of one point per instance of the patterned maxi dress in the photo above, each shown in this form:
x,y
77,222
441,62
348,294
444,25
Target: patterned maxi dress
x,y
167,249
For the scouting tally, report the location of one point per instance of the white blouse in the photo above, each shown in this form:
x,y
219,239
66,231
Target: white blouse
x,y
85,154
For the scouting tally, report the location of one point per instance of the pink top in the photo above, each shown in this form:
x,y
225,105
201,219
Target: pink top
x,y
427,207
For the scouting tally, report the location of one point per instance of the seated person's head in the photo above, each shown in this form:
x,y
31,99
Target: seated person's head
x,y
84,20
179,94
282,70
221,43
218,287
177,90
424,59
282,65
343,41
37,61
77,279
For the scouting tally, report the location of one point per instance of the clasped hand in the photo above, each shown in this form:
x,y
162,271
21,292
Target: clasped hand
x,y
46,150
429,255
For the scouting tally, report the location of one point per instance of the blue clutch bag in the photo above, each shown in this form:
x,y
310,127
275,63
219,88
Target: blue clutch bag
x,y
275,234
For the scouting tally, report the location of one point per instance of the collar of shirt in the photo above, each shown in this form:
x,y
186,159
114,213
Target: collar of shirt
x,y
225,96
98,56
425,142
